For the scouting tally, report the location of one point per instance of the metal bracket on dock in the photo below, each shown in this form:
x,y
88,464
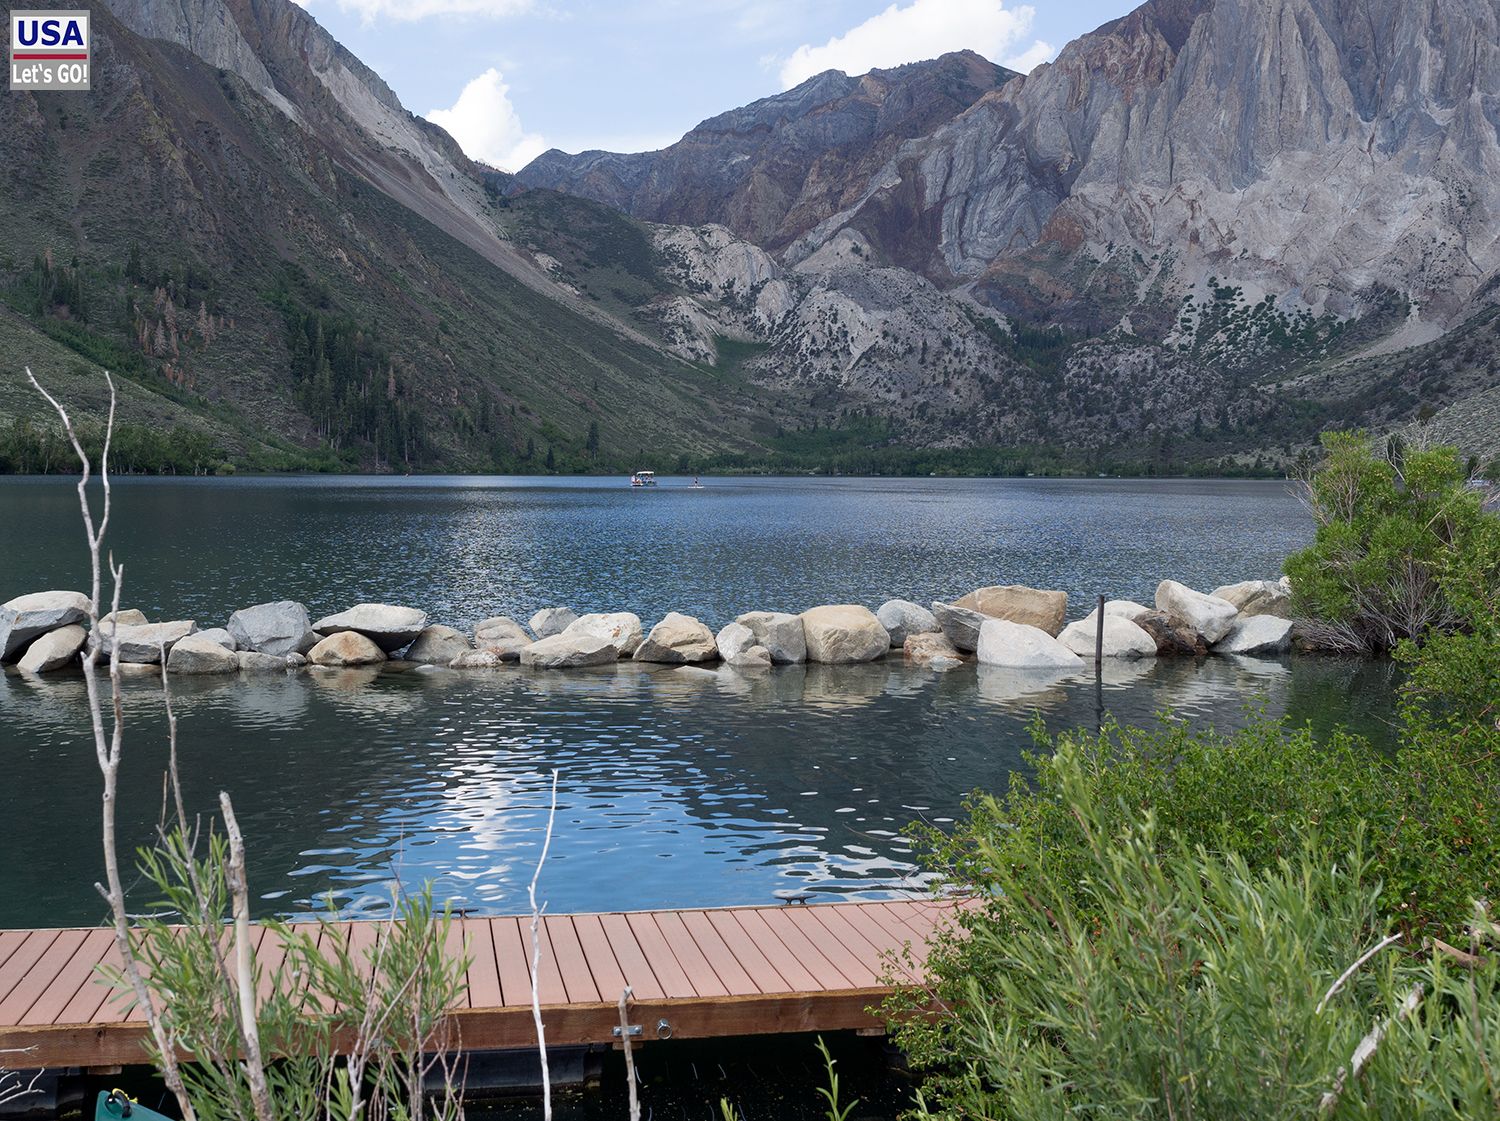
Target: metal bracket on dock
x,y
635,1031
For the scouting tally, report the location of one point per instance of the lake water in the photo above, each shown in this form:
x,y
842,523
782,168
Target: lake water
x,y
677,787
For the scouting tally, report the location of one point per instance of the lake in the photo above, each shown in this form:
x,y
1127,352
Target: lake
x,y
677,787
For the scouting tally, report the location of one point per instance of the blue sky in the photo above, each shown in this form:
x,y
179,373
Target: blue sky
x,y
510,78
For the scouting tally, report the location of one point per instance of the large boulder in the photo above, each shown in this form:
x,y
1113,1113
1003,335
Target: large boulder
x,y
570,651
782,635
1022,646
1208,615
1257,634
738,647
438,645
1174,638
220,635
902,618
931,647
842,634
1126,609
621,628
346,648
144,645
251,661
388,627
202,654
1122,638
53,650
279,628
499,629
678,639
1017,603
960,625
31,616
1259,597
552,620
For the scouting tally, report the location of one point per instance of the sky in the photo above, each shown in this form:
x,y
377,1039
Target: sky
x,y
512,78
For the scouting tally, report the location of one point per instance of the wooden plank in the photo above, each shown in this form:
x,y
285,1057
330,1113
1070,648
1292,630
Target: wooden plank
x,y
609,979
731,972
797,973
654,945
511,954
767,978
29,989
639,974
75,975
9,940
853,965
97,999
484,975
572,966
25,957
455,949
702,975
825,961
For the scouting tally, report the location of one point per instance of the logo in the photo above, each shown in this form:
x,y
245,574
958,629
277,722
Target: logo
x,y
49,50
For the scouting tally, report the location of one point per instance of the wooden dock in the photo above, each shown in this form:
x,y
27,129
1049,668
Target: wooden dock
x,y
704,973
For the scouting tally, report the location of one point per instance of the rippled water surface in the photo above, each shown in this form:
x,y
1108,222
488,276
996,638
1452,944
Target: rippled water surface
x,y
678,787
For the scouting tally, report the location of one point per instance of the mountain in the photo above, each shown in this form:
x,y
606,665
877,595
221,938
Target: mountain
x,y
1209,224
243,223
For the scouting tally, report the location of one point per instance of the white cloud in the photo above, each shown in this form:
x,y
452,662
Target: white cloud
x,y
1032,57
923,29
371,10
486,125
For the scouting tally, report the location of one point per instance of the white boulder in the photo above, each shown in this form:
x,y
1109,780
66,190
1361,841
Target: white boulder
x,y
1022,646
279,628
144,645
569,651
903,618
388,627
1125,609
202,654
220,635
620,628
1122,638
782,635
31,616
1259,597
438,645
1257,634
346,648
1208,615
845,633
53,650
677,639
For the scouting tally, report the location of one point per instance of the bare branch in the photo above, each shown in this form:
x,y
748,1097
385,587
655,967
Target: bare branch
x,y
536,958
244,966
635,1104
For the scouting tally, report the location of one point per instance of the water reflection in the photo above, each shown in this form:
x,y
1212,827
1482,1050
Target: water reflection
x,y
680,787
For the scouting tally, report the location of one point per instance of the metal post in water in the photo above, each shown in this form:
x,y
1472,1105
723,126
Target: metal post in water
x,y
1099,638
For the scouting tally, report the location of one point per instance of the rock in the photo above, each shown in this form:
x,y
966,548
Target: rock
x,y
943,663
126,617
295,661
1122,638
620,628
389,628
1125,609
752,657
273,628
438,645
960,624
734,638
1209,616
219,635
1257,634
1173,636
569,651
923,649
53,650
552,620
1019,604
252,661
499,630
903,618
31,616
1022,646
480,659
1259,597
346,648
782,634
145,644
202,654
678,639
842,634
